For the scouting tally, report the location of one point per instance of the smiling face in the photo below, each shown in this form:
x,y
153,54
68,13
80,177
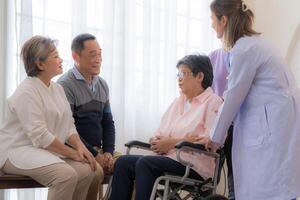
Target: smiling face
x,y
52,66
89,59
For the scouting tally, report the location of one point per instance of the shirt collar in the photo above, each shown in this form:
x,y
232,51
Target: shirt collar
x,y
201,97
79,76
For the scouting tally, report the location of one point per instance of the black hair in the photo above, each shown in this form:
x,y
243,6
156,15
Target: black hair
x,y
78,42
199,63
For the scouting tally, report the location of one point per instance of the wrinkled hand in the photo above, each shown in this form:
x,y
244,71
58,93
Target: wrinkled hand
x,y
108,163
152,139
191,138
100,159
87,157
75,155
205,140
161,144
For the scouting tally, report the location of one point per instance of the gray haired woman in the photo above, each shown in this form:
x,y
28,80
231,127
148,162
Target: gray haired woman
x,y
39,122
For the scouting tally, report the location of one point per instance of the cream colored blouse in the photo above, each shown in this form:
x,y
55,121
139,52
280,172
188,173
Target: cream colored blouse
x,y
36,115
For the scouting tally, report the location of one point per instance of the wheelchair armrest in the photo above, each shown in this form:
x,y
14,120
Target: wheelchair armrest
x,y
190,144
137,144
196,148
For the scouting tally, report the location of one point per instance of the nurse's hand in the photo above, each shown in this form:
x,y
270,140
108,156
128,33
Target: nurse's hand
x,y
191,138
205,140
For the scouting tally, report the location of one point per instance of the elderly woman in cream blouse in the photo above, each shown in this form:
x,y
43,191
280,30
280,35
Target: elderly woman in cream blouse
x,y
38,124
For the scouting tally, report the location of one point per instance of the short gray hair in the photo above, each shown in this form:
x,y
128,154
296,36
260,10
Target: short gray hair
x,y
199,63
37,48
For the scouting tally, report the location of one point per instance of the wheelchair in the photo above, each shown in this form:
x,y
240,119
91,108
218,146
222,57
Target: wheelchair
x,y
174,187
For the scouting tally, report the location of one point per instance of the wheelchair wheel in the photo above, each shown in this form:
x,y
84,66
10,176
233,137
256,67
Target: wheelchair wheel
x,y
159,195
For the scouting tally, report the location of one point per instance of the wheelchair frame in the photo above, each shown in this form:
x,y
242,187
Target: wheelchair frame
x,y
173,184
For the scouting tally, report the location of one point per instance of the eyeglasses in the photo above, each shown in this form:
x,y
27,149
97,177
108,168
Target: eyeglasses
x,y
183,74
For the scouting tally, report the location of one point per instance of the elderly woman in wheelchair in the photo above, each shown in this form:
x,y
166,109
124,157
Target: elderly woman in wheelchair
x,y
189,118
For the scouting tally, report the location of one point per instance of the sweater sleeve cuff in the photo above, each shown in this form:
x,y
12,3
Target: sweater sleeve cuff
x,y
109,150
93,151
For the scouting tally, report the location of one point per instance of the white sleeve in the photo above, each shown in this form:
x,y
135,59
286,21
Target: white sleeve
x,y
32,119
72,128
242,72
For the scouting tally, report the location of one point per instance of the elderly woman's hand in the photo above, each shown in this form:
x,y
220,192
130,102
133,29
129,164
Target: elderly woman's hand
x,y
87,157
75,155
162,144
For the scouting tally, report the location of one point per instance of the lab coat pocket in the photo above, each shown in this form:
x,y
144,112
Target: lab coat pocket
x,y
255,126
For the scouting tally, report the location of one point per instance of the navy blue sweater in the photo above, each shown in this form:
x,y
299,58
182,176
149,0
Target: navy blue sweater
x,y
91,112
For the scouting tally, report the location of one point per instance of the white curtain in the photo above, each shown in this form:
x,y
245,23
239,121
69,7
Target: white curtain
x,y
141,40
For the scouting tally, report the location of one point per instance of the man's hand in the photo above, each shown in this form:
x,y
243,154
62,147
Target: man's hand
x,y
106,161
162,144
100,159
109,163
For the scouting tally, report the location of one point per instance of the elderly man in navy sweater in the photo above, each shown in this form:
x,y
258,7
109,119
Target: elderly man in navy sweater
x,y
88,95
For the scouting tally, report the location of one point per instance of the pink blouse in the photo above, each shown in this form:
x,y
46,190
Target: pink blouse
x,y
197,120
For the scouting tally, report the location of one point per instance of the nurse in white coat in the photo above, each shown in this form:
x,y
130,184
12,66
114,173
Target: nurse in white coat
x,y
263,102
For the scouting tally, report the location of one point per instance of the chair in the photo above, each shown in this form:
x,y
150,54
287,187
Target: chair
x,y
10,181
171,186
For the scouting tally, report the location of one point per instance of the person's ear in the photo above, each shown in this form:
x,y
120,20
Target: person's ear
x,y
200,77
40,65
75,56
224,20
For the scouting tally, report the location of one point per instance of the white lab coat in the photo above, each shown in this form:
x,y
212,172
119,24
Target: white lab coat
x,y
264,103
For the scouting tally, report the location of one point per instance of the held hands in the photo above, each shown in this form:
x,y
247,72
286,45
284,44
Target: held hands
x,y
109,163
83,155
106,161
79,152
161,144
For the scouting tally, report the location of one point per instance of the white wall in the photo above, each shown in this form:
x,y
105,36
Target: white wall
x,y
279,21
